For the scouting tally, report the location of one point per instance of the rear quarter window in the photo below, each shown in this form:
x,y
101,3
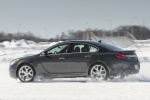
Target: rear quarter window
x,y
92,49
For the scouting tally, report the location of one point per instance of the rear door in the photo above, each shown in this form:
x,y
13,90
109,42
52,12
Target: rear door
x,y
79,56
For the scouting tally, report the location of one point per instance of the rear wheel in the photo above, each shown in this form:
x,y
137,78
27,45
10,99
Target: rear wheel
x,y
98,72
26,73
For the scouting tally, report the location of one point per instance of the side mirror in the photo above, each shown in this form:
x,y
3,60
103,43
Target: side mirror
x,y
43,54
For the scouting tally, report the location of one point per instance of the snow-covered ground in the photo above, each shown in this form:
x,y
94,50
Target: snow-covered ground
x,y
136,87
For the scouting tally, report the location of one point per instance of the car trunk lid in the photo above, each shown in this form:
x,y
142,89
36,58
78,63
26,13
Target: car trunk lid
x,y
129,55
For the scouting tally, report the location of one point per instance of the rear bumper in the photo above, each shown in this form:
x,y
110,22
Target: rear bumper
x,y
130,72
125,68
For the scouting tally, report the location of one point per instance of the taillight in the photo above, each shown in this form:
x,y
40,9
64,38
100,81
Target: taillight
x,y
121,56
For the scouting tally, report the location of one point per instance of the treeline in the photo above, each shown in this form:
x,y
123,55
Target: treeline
x,y
139,32
20,35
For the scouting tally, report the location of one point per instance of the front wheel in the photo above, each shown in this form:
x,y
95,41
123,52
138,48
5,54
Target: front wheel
x,y
98,72
26,73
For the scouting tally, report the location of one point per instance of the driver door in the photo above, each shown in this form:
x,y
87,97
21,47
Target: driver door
x,y
54,60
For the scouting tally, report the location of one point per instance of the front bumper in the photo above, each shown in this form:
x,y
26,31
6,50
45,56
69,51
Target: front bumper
x,y
13,70
12,73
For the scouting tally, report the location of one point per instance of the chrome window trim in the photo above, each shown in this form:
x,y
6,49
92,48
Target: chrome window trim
x,y
70,43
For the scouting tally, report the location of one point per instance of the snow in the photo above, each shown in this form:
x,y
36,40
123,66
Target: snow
x,y
135,87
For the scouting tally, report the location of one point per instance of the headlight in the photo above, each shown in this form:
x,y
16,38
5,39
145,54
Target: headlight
x,y
14,61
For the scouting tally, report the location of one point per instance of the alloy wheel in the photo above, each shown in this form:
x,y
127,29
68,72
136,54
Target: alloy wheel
x,y
98,73
26,73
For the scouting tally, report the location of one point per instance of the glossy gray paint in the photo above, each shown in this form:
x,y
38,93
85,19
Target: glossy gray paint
x,y
54,63
76,64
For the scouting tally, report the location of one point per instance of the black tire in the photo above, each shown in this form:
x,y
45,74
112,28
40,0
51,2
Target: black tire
x,y
99,72
26,73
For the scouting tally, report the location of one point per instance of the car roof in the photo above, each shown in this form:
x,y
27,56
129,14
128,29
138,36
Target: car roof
x,y
82,41
96,43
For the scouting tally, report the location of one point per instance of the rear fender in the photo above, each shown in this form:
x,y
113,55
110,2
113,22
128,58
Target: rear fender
x,y
102,63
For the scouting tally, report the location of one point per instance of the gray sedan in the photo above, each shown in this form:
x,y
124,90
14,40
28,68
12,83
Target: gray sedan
x,y
79,58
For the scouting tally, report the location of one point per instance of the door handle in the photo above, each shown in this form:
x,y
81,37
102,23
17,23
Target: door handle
x,y
61,58
87,56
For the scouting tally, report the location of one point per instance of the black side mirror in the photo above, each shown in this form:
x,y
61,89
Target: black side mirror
x,y
43,53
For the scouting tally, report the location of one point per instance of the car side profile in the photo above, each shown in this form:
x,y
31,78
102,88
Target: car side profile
x,y
77,58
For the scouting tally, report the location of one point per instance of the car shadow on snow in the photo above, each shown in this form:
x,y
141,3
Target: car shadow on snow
x,y
81,81
59,80
134,79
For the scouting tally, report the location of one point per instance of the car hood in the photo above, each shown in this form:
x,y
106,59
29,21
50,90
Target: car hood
x,y
28,56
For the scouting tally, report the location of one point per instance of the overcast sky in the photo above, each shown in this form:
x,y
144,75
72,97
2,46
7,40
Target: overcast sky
x,y
46,18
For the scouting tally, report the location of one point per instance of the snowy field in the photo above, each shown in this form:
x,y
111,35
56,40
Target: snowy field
x,y
136,87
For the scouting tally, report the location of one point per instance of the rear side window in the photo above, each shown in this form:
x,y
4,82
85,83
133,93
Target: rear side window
x,y
92,49
83,48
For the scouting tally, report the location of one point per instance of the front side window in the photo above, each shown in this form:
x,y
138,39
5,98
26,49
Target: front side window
x,y
58,49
